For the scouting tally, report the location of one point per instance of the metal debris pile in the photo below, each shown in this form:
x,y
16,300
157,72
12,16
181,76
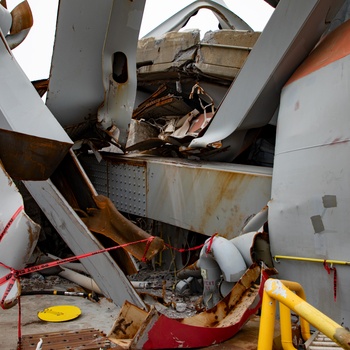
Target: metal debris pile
x,y
169,120
175,68
159,288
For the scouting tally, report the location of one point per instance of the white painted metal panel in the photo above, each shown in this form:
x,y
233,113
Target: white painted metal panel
x,y
122,37
309,214
206,198
76,86
88,34
21,108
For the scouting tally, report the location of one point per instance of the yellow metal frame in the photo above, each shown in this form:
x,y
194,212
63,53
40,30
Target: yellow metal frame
x,y
282,291
298,258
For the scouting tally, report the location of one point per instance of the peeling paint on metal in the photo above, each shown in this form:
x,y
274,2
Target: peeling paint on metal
x,y
275,287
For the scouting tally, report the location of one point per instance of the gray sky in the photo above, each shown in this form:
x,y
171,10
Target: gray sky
x,y
34,54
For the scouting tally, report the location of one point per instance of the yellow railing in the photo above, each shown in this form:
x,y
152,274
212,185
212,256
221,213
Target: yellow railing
x,y
282,291
298,258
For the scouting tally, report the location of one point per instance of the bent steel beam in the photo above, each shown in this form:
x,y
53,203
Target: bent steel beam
x,y
119,67
293,30
27,125
108,221
226,18
93,65
80,240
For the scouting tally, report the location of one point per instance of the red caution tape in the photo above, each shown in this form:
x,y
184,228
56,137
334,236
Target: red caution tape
x,y
210,243
13,218
149,241
13,275
183,250
329,269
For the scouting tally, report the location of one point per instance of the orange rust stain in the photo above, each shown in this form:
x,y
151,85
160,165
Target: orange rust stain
x,y
33,235
39,156
22,18
333,47
228,187
117,160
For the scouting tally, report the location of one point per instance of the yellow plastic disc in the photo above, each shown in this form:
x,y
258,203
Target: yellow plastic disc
x,y
59,313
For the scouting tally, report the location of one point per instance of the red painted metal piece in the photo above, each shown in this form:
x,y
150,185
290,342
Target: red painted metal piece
x,y
207,328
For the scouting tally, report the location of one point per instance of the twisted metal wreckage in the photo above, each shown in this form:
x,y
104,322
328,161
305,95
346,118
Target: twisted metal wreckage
x,y
240,133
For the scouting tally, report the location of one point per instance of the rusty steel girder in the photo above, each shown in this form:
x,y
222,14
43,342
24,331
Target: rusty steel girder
x,y
108,221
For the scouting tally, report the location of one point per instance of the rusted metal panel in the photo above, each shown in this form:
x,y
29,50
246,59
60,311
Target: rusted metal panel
x,y
206,197
88,339
142,136
39,156
102,217
199,196
123,330
22,22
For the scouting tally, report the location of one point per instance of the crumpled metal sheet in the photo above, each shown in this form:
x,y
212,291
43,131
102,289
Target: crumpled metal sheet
x,y
136,329
162,103
167,117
